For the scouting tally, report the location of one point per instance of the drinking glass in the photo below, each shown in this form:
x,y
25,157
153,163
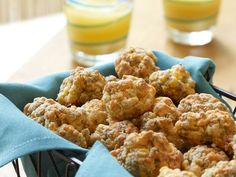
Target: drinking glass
x,y
191,22
97,29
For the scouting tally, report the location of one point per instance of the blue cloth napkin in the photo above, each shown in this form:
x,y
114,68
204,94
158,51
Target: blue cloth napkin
x,y
100,163
19,135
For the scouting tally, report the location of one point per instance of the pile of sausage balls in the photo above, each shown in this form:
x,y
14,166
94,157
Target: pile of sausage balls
x,y
152,121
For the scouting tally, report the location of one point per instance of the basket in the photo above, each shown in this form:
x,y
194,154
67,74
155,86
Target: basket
x,y
70,161
72,164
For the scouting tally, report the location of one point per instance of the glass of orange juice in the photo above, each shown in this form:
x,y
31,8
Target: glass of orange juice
x,y
97,29
191,22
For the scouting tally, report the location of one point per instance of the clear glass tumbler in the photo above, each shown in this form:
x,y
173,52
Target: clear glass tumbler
x,y
191,22
97,29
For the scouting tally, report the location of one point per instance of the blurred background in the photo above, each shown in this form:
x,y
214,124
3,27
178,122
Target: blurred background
x,y
16,10
25,27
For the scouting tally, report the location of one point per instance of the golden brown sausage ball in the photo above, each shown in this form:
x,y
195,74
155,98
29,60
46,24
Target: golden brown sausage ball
x,y
82,85
201,157
128,98
200,103
214,127
222,169
113,135
59,119
71,134
175,83
136,62
95,112
143,154
164,107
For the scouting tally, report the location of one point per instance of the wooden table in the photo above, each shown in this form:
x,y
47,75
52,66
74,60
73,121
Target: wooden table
x,y
148,31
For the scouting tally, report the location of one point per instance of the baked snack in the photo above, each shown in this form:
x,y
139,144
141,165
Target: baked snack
x,y
168,172
113,135
128,98
95,112
82,85
200,102
164,107
59,119
136,62
221,169
150,121
175,83
71,134
76,121
201,157
136,118
143,154
213,127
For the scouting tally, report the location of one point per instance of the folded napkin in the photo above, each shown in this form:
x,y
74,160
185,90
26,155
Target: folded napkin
x,y
19,135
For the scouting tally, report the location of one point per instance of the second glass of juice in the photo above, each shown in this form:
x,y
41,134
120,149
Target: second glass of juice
x,y
191,22
97,29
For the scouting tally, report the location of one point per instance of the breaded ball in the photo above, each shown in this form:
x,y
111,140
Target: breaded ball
x,y
164,107
222,169
136,62
150,121
45,111
214,127
200,103
201,157
143,154
81,86
71,134
128,98
68,122
36,110
175,83
113,135
167,172
95,112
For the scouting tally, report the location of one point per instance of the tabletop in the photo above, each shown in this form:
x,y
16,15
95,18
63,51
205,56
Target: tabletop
x,y
148,31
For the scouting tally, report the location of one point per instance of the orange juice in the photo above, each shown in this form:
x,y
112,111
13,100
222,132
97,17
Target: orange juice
x,y
97,27
191,15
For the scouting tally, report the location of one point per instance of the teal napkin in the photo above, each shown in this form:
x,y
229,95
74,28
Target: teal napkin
x,y
100,163
19,135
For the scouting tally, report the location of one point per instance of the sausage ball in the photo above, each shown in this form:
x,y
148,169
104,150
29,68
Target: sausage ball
x,y
95,112
81,86
70,123
136,62
150,121
71,134
113,135
214,127
128,98
175,83
200,103
167,172
164,107
201,157
143,154
221,169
